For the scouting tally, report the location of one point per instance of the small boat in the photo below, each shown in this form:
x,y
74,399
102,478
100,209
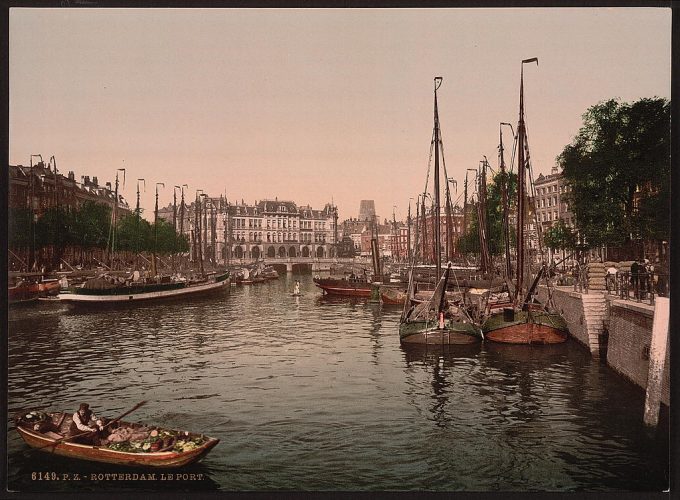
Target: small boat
x,y
102,291
251,277
160,448
353,286
48,287
22,292
269,273
393,296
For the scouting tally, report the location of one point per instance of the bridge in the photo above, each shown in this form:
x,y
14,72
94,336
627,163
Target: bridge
x,y
313,263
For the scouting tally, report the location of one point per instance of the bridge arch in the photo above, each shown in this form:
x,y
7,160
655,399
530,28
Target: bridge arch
x,y
305,251
282,251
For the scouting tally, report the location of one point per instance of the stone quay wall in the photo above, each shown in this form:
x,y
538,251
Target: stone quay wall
x,y
630,336
585,314
596,319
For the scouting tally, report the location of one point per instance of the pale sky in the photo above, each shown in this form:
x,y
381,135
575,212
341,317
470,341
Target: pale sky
x,y
313,105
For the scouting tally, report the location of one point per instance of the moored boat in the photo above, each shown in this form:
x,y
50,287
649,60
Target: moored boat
x,y
22,292
101,291
434,319
392,295
525,321
354,286
146,446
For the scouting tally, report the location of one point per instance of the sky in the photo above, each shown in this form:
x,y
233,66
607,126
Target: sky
x,y
314,105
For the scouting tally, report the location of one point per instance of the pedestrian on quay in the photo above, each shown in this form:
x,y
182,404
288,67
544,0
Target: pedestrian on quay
x,y
635,278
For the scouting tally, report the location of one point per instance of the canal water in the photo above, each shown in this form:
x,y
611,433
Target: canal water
x,y
310,393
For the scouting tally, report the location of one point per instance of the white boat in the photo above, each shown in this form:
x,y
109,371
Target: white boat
x,y
127,293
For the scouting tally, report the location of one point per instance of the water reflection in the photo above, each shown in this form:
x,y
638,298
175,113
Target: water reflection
x,y
316,393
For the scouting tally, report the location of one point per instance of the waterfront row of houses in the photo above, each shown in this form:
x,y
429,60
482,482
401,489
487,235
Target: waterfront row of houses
x,y
276,228
40,187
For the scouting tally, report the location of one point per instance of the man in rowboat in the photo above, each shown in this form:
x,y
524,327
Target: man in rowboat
x,y
84,420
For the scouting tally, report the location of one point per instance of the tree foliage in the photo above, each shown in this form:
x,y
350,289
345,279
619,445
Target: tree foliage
x,y
89,227
560,237
469,242
621,156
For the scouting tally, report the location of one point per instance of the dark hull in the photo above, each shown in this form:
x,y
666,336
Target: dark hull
x,y
537,327
454,333
127,295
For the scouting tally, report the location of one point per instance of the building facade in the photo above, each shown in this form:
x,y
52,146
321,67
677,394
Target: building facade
x,y
38,187
549,201
266,229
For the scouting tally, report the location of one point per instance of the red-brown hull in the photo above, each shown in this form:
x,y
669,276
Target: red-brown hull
x,y
527,333
344,288
393,298
167,459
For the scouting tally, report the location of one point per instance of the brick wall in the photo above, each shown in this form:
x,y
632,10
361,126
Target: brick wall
x,y
630,334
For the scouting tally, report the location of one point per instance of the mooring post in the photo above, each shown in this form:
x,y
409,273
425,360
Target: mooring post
x,y
657,360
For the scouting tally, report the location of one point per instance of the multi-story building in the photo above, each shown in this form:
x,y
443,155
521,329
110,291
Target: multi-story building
x,y
40,188
268,228
549,203
426,248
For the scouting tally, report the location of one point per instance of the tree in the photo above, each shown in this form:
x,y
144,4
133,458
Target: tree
x,y
618,167
90,227
469,242
560,237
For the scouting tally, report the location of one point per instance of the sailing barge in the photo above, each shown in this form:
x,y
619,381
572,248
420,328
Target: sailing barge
x,y
526,321
101,291
436,320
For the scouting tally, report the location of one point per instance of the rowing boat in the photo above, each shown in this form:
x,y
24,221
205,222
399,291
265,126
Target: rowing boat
x,y
46,432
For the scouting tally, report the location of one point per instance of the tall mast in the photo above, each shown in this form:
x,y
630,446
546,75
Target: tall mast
x,y
137,219
521,184
437,215
449,223
408,232
32,215
114,218
505,182
424,223
57,239
155,229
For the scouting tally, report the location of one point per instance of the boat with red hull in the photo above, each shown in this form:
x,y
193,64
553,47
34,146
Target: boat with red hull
x,y
344,287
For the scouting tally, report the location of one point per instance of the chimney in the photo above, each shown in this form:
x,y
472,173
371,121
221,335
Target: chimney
x,y
94,181
71,175
108,185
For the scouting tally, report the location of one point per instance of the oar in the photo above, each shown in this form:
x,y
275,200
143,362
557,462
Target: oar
x,y
68,438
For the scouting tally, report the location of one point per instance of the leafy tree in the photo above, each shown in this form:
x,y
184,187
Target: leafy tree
x,y
560,237
133,233
19,220
620,155
91,224
469,242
